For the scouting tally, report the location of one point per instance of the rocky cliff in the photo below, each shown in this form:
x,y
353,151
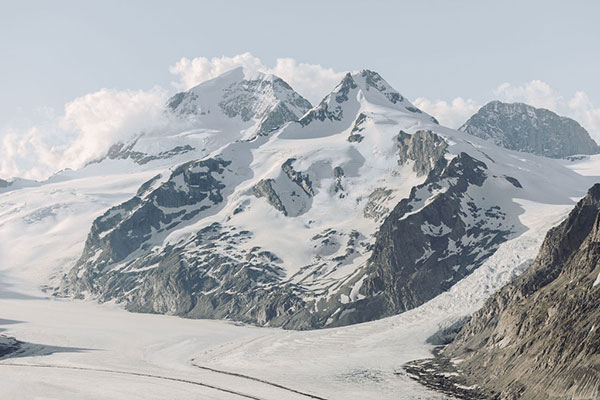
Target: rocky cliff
x,y
525,128
539,337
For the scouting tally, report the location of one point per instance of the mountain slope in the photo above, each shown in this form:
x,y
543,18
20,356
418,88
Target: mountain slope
x,y
538,337
524,128
364,208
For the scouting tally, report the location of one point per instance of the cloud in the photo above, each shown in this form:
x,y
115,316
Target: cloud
x,y
451,114
584,112
310,80
200,69
536,93
85,131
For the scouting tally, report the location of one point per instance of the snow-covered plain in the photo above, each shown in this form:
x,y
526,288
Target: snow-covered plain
x,y
79,349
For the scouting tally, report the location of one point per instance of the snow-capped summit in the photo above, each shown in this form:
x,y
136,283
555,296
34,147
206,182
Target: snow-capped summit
x,y
354,91
258,102
236,105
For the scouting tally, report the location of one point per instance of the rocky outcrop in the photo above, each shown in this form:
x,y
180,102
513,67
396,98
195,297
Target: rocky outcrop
x,y
423,147
328,109
122,151
297,177
264,188
355,135
539,336
524,128
290,193
8,345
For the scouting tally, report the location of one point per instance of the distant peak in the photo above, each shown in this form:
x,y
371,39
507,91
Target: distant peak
x,y
522,127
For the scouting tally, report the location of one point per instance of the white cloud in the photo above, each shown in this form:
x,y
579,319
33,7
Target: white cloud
x,y
585,113
536,93
310,80
88,127
451,114
200,69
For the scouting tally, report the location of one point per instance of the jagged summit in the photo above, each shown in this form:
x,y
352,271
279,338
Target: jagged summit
x,y
345,100
521,127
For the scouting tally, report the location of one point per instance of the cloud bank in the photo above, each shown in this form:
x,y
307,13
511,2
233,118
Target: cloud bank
x,y
452,113
84,132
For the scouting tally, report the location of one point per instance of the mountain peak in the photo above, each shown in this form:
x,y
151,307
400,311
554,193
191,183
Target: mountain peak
x,y
354,91
521,127
241,97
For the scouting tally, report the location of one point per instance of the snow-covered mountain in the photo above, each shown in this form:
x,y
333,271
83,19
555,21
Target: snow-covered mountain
x,y
521,127
234,106
361,208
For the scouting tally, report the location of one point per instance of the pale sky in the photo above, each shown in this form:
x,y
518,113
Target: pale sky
x,y
450,57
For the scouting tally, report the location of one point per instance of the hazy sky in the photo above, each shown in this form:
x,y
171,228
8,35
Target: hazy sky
x,y
544,52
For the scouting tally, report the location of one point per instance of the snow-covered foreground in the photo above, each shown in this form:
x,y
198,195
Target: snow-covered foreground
x,y
101,351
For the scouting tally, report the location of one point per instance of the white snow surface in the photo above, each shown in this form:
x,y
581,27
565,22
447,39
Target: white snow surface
x,y
86,350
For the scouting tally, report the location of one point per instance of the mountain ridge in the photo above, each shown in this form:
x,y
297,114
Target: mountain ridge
x,y
284,229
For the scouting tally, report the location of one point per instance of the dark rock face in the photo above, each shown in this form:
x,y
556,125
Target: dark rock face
x,y
264,188
8,345
423,248
355,135
293,189
126,151
132,225
374,80
423,147
326,110
298,178
539,337
532,130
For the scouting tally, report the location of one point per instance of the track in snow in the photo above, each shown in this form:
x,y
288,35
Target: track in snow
x,y
218,371
110,371
206,385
